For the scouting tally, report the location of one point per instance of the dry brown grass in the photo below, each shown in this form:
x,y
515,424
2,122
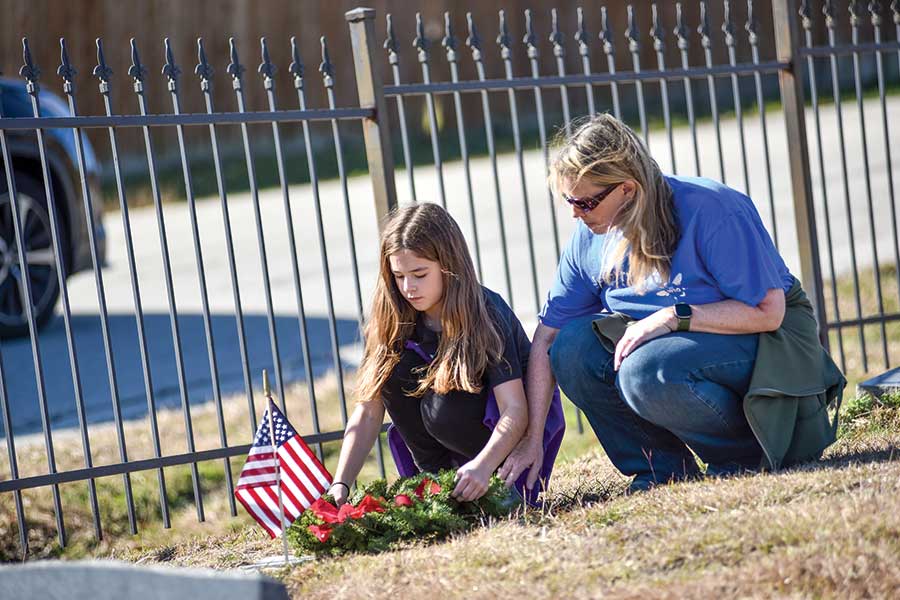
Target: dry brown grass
x,y
828,529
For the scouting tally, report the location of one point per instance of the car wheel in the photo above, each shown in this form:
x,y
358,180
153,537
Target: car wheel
x,y
42,271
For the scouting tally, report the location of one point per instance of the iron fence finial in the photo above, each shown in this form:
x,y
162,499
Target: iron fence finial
x,y
728,24
170,69
605,34
556,38
29,70
657,32
503,39
420,42
828,11
136,71
102,70
66,70
805,15
234,68
855,11
703,28
875,12
296,66
752,25
266,68
204,70
325,67
530,39
473,40
632,33
581,36
449,41
390,41
681,30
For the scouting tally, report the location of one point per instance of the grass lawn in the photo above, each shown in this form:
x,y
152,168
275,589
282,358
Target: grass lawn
x,y
830,528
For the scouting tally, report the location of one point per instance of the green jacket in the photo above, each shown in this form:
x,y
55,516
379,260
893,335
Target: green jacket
x,y
794,382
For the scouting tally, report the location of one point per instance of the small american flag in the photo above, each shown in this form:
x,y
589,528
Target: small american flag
x,y
303,478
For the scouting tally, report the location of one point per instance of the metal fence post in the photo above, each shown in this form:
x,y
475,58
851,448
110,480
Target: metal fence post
x,y
376,130
784,14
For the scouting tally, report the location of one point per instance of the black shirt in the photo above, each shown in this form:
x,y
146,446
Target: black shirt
x,y
512,364
444,430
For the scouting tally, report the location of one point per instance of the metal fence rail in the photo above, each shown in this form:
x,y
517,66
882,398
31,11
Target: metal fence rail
x,y
503,202
858,14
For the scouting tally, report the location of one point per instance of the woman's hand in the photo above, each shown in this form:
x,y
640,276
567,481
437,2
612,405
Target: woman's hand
x,y
472,481
658,324
528,455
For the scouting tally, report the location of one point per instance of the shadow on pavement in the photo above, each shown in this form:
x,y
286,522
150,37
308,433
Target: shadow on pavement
x,y
21,388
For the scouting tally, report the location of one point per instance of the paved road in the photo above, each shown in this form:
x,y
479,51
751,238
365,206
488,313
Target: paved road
x,y
17,356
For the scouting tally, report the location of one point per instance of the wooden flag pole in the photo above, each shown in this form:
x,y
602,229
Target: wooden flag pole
x,y
269,405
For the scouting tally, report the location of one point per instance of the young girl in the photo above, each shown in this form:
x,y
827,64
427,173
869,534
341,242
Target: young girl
x,y
441,352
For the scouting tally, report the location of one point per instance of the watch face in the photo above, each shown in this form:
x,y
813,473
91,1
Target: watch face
x,y
683,311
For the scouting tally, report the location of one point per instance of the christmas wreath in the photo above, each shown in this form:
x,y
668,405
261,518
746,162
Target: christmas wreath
x,y
379,516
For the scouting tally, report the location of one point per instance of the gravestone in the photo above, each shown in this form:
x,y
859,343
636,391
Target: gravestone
x,y
886,383
112,580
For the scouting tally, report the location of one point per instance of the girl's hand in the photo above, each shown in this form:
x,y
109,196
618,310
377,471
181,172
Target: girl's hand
x,y
658,324
471,482
339,491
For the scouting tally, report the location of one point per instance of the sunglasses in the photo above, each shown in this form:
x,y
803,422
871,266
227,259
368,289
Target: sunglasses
x,y
589,203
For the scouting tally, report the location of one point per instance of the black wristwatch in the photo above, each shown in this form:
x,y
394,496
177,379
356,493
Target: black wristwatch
x,y
683,312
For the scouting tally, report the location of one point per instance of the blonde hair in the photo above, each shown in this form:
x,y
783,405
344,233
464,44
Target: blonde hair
x,y
605,151
469,339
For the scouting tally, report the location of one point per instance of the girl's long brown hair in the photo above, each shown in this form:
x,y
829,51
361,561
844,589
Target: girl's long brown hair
x,y
469,340
605,151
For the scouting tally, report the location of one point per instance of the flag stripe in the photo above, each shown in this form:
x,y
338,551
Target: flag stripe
x,y
256,468
261,461
314,464
252,470
265,504
289,480
289,508
258,450
299,472
256,480
299,477
291,504
252,507
310,481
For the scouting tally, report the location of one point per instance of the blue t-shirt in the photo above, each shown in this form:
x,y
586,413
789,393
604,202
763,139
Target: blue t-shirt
x,y
724,252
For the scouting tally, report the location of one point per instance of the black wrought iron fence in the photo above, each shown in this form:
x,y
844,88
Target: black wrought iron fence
x,y
511,219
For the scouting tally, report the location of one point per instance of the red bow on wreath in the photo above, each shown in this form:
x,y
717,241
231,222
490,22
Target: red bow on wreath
x,y
427,484
329,513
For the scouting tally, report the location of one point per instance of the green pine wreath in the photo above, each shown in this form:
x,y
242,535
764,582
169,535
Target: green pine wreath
x,y
379,517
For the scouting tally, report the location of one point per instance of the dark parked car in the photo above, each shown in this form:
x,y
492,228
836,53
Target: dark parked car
x,y
33,207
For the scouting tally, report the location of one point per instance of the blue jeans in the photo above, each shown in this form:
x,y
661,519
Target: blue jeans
x,y
678,390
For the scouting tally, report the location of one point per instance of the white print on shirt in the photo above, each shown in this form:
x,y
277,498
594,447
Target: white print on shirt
x,y
674,290
611,240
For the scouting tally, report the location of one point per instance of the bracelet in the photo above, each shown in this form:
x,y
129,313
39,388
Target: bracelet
x,y
334,483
